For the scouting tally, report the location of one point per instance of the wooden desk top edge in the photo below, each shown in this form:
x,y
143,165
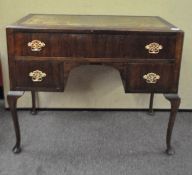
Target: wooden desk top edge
x,y
22,23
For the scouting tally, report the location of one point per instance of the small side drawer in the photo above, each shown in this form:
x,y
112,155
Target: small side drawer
x,y
152,78
38,75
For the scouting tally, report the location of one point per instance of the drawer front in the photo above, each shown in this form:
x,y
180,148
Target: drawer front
x,y
40,76
152,78
133,45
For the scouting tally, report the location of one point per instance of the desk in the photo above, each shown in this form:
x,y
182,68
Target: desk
x,y
43,49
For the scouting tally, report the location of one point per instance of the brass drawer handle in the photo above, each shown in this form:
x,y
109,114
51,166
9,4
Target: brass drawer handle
x,y
153,48
151,77
37,75
36,45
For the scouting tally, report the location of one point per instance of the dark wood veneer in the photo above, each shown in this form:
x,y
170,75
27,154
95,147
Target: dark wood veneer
x,y
166,84
72,40
52,82
131,45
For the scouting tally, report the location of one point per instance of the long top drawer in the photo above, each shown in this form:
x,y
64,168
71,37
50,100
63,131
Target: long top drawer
x,y
134,45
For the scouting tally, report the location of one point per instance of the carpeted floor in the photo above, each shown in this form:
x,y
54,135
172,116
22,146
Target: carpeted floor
x,y
95,143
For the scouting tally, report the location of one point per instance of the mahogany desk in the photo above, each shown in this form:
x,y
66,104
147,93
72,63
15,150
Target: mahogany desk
x,y
43,49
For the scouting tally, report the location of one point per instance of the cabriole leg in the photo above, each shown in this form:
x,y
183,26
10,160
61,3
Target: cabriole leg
x,y
33,111
12,98
151,112
174,99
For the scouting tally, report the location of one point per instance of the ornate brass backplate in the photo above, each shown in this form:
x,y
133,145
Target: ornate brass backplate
x,y
154,48
36,45
37,75
151,77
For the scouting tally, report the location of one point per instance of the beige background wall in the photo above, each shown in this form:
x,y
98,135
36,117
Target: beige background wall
x,y
101,87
